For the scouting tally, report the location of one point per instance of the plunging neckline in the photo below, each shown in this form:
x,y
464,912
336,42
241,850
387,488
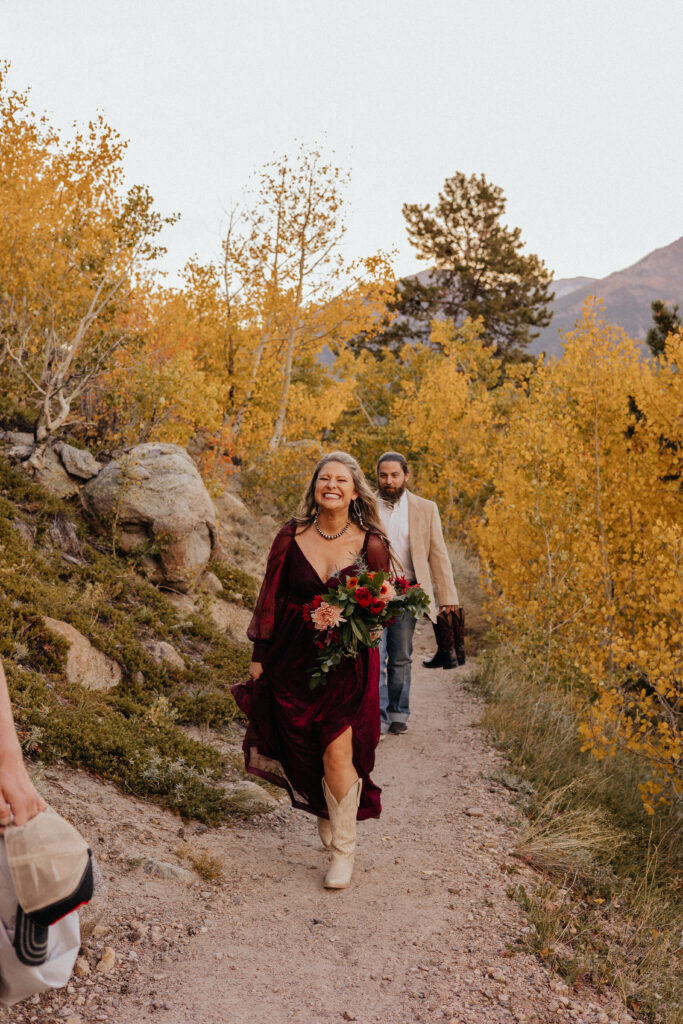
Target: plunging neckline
x,y
339,571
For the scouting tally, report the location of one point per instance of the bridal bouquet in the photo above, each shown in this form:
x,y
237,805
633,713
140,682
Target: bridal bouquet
x,y
352,615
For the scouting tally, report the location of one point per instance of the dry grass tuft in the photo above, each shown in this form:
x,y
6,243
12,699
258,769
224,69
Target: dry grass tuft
x,y
207,865
609,910
567,840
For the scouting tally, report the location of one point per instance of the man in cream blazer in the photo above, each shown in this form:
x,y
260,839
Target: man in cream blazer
x,y
413,526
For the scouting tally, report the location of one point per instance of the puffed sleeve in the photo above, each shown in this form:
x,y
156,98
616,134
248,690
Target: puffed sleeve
x,y
378,555
260,629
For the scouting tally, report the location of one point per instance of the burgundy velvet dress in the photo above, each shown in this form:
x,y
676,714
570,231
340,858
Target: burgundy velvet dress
x,y
290,725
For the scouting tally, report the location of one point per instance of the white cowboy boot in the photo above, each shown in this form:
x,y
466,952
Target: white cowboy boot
x,y
343,845
325,832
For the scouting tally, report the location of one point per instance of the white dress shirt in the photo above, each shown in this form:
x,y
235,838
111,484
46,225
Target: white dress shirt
x,y
395,520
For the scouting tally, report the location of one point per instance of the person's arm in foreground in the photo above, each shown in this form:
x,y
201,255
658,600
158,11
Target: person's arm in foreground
x,y
18,796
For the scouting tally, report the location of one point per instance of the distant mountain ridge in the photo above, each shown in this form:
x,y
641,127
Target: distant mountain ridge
x,y
565,285
626,295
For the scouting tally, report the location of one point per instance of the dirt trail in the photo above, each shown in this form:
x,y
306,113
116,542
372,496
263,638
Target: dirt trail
x,y
424,934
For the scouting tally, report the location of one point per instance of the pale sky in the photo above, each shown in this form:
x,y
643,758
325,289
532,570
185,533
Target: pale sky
x,y
573,108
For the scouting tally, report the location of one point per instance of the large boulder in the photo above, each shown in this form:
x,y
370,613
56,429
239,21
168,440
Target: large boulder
x,y
155,501
85,665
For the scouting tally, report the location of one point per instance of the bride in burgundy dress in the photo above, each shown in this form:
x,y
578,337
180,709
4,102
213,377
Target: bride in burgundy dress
x,y
317,744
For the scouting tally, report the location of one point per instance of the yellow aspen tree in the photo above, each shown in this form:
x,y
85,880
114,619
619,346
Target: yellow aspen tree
x,y
155,389
452,400
293,295
73,241
581,539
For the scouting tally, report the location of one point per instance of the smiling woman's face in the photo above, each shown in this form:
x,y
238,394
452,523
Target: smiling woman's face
x,y
334,489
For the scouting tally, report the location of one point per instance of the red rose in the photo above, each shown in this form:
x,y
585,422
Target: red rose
x,y
363,597
377,606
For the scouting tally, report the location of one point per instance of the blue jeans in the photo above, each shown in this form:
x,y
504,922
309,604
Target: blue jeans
x,y
395,658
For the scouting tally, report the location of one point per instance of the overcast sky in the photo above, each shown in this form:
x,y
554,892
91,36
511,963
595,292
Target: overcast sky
x,y
573,108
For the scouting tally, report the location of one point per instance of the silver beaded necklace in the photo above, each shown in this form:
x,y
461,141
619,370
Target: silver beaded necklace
x,y
330,536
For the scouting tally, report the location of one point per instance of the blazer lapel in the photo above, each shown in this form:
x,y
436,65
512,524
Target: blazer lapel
x,y
412,519
416,528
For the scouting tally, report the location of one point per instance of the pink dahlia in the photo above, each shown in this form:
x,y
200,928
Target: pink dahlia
x,y
327,616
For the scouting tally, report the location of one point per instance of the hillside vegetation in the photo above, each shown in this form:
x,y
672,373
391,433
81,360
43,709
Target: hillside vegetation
x,y
134,733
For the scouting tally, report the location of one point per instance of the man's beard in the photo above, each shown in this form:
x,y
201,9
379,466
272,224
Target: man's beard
x,y
392,496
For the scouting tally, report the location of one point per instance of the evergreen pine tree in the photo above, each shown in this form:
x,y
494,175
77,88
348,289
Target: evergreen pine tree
x,y
666,322
479,268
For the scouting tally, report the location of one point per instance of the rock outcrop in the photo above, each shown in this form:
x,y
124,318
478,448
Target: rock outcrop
x,y
63,536
78,461
58,467
85,665
19,445
155,501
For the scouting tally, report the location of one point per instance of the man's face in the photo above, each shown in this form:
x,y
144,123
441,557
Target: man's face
x,y
391,480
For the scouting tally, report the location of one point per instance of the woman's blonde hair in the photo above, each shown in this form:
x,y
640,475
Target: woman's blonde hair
x,y
363,507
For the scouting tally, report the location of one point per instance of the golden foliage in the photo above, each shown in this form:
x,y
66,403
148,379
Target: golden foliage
x,y
72,240
455,398
156,389
284,303
567,475
579,468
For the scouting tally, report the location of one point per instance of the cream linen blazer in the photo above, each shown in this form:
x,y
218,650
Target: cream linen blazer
x,y
432,565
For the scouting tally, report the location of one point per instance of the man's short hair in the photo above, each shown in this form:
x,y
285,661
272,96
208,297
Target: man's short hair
x,y
393,457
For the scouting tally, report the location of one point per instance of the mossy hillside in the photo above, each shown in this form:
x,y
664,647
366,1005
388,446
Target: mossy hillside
x,y
237,583
131,734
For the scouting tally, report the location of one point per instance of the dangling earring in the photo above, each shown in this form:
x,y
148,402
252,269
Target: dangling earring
x,y
357,511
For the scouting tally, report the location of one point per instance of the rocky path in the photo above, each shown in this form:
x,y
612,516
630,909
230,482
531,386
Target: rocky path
x,y
426,933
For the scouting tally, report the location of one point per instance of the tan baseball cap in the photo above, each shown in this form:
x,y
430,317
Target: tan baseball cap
x,y
51,870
